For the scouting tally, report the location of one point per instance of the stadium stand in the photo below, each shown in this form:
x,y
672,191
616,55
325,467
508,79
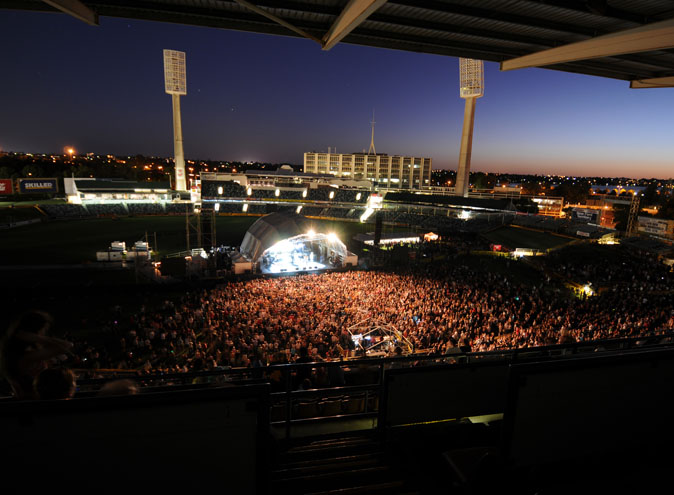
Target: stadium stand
x,y
146,208
179,208
65,210
107,209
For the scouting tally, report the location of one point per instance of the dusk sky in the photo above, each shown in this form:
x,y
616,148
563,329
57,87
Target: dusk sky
x,y
253,97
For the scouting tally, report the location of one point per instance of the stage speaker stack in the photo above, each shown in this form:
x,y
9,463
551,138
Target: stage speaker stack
x,y
377,228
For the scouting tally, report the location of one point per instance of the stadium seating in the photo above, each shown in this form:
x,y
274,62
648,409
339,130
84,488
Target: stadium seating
x,y
107,209
146,208
64,210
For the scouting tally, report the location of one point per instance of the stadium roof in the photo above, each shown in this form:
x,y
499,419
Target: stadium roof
x,y
621,39
286,173
108,185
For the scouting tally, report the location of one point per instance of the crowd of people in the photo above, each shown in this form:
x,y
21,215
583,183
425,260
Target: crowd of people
x,y
435,306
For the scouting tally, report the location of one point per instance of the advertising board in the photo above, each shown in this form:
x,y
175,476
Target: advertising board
x,y
38,186
6,186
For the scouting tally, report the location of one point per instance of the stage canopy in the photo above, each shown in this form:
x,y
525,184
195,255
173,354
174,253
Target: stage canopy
x,y
271,229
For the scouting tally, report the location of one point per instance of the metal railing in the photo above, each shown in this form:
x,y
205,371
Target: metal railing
x,y
360,382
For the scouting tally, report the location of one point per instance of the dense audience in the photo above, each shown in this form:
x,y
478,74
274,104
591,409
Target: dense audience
x,y
436,306
613,266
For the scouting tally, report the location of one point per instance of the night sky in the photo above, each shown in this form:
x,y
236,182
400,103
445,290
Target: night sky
x,y
253,97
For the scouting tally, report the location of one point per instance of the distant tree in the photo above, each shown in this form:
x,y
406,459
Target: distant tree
x,y
480,180
650,195
83,171
32,170
573,193
7,172
532,187
666,210
621,215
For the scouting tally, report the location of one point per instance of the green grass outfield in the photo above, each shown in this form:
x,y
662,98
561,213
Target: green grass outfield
x,y
513,238
76,241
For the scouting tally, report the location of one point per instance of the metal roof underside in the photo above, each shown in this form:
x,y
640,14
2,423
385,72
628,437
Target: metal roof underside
x,y
491,30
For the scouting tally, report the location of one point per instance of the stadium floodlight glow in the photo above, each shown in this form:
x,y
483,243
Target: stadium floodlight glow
x,y
217,207
358,196
332,194
249,191
471,87
304,193
175,84
245,207
298,209
332,237
311,233
465,215
277,193
220,190
366,215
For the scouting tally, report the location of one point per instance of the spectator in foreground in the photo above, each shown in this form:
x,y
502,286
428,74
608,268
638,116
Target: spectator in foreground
x,y
119,387
55,383
26,349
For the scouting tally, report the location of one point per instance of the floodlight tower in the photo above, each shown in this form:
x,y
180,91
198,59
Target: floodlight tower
x,y
372,151
472,87
175,84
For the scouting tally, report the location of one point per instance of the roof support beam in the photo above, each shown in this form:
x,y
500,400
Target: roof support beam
x,y
76,9
355,12
656,82
278,20
655,36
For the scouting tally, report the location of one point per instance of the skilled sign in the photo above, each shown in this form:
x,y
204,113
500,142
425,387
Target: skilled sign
x,y
5,186
38,185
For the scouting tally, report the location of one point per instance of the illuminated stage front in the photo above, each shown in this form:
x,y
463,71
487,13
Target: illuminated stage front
x,y
304,252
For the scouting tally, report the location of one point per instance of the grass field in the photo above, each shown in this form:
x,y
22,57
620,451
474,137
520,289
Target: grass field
x,y
18,214
32,202
513,237
76,241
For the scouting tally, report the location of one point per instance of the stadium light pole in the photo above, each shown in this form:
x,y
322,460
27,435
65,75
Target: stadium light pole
x,y
472,87
175,84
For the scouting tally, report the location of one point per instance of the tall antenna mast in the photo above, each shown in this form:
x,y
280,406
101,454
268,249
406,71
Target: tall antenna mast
x,y
472,87
175,84
372,151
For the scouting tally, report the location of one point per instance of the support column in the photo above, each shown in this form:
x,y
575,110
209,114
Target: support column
x,y
463,174
181,183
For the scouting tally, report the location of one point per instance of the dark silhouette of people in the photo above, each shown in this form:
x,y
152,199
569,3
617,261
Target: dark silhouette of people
x,y
26,349
55,383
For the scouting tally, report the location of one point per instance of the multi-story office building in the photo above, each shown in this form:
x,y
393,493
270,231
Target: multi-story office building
x,y
394,172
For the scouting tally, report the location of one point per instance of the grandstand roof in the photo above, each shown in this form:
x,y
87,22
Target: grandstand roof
x,y
573,36
286,173
119,185
456,201
269,230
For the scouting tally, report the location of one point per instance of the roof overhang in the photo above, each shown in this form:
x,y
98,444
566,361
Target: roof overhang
x,y
523,33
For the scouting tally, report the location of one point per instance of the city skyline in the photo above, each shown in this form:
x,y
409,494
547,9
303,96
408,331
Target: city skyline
x,y
253,97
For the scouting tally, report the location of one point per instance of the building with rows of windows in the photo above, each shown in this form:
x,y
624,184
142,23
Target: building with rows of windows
x,y
393,172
